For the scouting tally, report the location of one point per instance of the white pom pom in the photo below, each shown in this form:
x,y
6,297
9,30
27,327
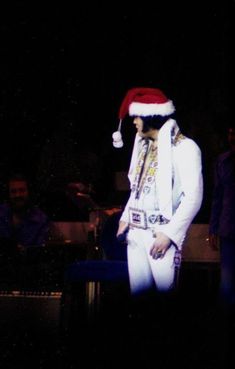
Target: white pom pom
x,y
117,136
117,139
118,144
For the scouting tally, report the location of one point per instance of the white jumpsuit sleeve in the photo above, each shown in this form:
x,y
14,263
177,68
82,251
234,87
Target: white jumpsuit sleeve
x,y
125,214
134,158
187,158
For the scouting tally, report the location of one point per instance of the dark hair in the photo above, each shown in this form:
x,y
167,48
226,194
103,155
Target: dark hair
x,y
17,177
14,176
154,122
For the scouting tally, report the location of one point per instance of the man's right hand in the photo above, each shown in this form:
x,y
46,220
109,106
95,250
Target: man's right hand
x,y
122,227
122,232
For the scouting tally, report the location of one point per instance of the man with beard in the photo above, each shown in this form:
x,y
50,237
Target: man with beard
x,y
22,224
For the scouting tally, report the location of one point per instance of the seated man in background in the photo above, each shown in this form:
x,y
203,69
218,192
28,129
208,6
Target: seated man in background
x,y
22,223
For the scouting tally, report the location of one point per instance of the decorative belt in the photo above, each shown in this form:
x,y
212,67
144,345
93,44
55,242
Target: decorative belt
x,y
145,219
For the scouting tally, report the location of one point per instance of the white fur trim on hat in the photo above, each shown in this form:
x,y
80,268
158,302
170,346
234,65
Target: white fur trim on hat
x,y
144,110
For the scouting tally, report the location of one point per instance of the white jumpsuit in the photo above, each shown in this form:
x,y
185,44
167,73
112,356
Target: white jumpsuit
x,y
144,217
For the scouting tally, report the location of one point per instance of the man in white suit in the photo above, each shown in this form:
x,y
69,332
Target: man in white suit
x,y
166,190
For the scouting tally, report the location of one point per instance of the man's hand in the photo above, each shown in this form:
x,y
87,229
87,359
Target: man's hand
x,y
122,232
122,227
160,245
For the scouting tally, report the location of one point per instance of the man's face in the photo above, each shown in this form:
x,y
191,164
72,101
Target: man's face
x,y
231,138
151,133
18,193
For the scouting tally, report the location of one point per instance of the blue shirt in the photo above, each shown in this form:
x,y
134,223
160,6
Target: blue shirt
x,y
32,231
222,219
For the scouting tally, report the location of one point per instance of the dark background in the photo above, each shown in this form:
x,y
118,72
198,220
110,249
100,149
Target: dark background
x,y
65,69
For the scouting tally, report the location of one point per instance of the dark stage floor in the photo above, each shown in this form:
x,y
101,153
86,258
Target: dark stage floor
x,y
46,330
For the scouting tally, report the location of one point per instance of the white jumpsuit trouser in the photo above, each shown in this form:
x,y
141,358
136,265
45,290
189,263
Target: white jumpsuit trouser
x,y
144,271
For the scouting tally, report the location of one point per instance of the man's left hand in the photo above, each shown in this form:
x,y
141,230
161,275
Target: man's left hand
x,y
160,246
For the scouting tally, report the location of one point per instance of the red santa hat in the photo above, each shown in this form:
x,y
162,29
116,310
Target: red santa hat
x,y
142,102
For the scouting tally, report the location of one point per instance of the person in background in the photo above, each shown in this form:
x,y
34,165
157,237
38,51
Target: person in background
x,y
222,238
166,191
222,224
22,223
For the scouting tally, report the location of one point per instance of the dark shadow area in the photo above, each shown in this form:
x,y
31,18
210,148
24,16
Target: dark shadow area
x,y
72,312
63,73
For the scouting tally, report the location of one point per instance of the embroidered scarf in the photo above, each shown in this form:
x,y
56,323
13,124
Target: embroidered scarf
x,y
166,136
